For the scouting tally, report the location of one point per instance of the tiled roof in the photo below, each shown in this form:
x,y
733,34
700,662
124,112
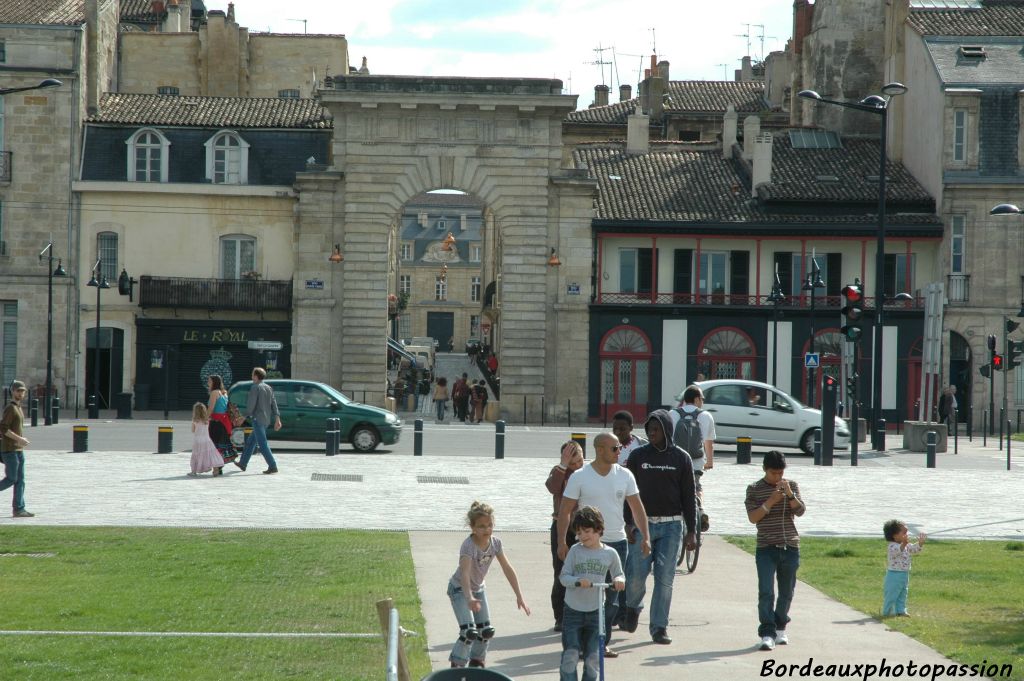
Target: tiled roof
x,y
139,11
995,17
204,112
684,96
676,183
43,12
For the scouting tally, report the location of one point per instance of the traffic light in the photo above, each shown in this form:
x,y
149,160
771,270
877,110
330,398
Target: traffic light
x,y
853,311
991,340
1011,326
851,384
986,370
1014,351
997,362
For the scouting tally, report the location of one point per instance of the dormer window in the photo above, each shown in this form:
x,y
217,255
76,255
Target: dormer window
x,y
288,94
441,225
227,158
972,51
148,151
167,90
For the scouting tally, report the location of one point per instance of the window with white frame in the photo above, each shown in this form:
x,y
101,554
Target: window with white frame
x,y
237,256
474,326
474,289
405,284
441,225
406,251
960,135
227,158
474,253
957,244
106,251
148,153
404,326
635,270
899,274
440,288
8,341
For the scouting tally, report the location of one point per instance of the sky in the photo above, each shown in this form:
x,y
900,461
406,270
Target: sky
x,y
703,40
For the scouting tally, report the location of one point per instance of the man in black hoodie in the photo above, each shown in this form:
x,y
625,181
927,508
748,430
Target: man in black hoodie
x,y
664,476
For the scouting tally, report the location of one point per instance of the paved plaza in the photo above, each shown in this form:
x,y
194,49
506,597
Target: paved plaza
x,y
969,495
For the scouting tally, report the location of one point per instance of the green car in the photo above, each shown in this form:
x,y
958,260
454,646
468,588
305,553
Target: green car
x,y
305,407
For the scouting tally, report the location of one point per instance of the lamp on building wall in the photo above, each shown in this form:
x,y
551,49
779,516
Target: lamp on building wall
x,y
48,83
553,261
99,282
879,106
336,255
50,274
126,285
448,243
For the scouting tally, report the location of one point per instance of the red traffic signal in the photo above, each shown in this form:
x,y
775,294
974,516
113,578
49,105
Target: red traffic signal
x,y
997,362
853,294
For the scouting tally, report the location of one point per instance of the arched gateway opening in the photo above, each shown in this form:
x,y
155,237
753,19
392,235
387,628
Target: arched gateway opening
x,y
498,140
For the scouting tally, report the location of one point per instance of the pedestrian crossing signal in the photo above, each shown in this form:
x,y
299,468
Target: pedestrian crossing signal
x,y
997,362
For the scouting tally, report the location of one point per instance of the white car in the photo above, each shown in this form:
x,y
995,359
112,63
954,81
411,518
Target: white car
x,y
766,414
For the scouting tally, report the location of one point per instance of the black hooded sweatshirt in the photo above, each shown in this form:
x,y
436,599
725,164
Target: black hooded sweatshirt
x,y
665,476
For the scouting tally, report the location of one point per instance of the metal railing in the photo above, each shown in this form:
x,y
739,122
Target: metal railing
x,y
741,300
958,290
247,295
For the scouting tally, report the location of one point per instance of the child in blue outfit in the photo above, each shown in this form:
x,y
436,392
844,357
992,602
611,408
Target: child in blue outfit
x,y
466,587
897,576
589,562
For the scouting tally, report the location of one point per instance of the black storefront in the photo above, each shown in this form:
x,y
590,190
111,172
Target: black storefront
x,y
174,357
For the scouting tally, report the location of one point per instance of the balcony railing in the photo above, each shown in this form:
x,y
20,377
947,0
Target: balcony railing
x,y
247,295
958,292
743,300
5,166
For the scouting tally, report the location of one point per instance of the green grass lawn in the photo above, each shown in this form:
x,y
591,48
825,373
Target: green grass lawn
x,y
966,597
188,580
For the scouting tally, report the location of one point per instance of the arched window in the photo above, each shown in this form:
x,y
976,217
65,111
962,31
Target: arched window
x,y
227,158
148,152
625,355
726,353
237,256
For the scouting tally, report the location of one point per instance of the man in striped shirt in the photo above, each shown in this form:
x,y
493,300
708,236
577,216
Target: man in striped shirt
x,y
772,504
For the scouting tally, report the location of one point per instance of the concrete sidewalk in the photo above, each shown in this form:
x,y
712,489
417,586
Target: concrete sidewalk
x,y
713,622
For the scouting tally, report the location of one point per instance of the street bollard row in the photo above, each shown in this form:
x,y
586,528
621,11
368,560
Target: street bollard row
x,y
164,440
79,439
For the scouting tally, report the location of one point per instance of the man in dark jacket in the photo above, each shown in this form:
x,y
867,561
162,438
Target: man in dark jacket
x,y
664,476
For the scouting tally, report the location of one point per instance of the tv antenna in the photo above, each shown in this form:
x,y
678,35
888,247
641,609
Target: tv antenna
x,y
747,36
599,61
725,71
761,37
304,22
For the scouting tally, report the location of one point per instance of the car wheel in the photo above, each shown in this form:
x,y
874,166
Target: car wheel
x,y
365,439
807,441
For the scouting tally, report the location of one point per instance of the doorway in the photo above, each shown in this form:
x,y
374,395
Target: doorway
x,y
441,327
111,358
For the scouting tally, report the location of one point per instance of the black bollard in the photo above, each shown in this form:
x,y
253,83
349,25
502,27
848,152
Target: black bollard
x,y
931,438
1007,444
499,439
93,405
331,442
880,436
164,439
33,411
743,449
984,429
55,410
817,447
417,437
956,431
1001,429
524,410
79,438
581,440
568,413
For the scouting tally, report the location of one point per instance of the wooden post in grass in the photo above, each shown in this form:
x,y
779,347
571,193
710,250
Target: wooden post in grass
x,y
383,614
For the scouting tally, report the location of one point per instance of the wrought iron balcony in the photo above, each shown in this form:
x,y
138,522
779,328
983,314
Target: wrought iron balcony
x,y
247,295
821,302
958,291
5,166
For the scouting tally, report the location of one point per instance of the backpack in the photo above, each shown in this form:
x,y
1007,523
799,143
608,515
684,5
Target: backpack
x,y
687,433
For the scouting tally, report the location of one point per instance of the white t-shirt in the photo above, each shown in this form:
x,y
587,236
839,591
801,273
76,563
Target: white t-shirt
x,y
606,493
704,419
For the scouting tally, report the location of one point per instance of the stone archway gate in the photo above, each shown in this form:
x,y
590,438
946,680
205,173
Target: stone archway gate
x,y
496,138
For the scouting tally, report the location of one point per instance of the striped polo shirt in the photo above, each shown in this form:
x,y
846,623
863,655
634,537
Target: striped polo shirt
x,y
777,528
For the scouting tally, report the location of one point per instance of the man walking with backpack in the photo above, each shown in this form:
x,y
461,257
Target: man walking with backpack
x,y
693,430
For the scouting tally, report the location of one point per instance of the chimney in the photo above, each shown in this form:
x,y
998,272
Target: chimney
x,y
625,93
751,129
172,22
746,71
729,131
803,15
663,70
762,173
600,95
655,98
638,134
363,69
231,12
157,7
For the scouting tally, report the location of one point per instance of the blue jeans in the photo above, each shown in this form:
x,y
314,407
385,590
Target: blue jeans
x,y
611,596
464,650
897,583
665,540
440,404
258,438
14,476
775,564
579,635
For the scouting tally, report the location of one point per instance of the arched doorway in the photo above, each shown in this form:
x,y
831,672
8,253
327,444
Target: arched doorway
x,y
726,352
960,361
625,353
828,345
913,391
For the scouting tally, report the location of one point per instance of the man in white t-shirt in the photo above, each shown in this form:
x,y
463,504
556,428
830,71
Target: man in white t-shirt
x,y
703,455
605,485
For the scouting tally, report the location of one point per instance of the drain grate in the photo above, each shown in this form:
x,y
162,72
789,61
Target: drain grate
x,y
442,479
336,477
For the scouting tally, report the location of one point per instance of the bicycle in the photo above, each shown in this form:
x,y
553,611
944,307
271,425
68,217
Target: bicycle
x,y
691,556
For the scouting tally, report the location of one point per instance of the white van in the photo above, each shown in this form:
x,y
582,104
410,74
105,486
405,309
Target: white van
x,y
424,356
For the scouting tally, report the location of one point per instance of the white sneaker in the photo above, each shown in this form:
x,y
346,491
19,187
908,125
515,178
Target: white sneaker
x,y
781,638
767,643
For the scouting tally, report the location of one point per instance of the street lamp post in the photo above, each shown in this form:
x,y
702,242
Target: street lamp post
x,y
99,282
48,83
878,105
812,284
50,274
775,297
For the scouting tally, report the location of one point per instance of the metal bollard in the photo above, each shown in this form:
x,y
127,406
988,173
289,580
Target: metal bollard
x,y
817,447
542,407
417,437
33,411
956,431
55,410
581,440
930,438
568,413
743,449
164,439
94,407
79,438
1001,429
331,442
499,439
1007,444
880,436
984,429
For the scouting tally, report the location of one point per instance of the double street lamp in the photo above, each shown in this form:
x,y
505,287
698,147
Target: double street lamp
x,y
775,298
99,282
812,284
878,105
50,274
